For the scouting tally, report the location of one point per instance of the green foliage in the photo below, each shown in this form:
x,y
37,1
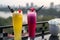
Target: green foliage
x,y
4,21
45,18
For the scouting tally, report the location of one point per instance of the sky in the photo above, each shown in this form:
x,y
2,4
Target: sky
x,y
23,2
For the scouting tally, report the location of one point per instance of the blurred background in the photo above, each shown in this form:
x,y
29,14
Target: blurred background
x,y
50,10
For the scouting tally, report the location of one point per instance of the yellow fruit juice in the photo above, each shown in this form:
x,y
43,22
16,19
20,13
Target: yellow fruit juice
x,y
17,25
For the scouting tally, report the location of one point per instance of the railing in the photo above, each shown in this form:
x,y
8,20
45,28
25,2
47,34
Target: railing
x,y
3,35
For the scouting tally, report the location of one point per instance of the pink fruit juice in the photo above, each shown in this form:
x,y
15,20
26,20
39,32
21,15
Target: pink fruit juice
x,y
31,24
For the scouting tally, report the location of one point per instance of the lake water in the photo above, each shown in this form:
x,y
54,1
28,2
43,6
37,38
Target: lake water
x,y
7,14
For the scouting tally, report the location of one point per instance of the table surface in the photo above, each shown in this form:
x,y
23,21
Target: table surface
x,y
48,37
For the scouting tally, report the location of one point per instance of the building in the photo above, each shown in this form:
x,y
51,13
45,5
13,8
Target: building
x,y
57,7
27,5
51,5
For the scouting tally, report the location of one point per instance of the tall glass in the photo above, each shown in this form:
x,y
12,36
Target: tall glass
x,y
17,25
31,24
